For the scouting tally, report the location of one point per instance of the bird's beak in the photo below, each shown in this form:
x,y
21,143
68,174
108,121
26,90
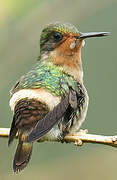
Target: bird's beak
x,y
92,34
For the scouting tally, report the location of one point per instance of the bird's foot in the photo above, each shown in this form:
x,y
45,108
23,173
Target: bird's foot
x,y
81,132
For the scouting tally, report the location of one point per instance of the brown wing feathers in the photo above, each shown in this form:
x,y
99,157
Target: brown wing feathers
x,y
26,114
52,117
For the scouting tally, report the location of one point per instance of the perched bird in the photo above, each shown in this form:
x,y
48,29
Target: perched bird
x,y
50,100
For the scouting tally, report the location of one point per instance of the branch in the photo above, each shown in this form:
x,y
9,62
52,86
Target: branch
x,y
77,138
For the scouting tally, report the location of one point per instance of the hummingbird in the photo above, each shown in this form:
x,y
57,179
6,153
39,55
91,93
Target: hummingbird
x,y
50,100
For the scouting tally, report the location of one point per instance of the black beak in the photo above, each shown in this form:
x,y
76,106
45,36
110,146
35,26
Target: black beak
x,y
92,34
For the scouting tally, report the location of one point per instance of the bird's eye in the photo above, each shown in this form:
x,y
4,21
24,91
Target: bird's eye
x,y
57,36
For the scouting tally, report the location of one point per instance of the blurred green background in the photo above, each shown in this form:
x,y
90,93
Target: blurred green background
x,y
20,25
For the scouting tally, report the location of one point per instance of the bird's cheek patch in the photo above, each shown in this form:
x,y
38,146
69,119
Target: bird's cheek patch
x,y
83,43
73,45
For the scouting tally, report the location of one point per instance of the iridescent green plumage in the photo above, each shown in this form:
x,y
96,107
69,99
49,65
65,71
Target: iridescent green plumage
x,y
61,27
48,76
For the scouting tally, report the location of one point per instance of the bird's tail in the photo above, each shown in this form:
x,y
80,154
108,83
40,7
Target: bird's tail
x,y
22,156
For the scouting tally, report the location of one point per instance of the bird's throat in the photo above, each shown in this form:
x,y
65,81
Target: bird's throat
x,y
70,62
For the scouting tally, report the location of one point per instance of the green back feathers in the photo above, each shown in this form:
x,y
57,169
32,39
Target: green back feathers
x,y
48,76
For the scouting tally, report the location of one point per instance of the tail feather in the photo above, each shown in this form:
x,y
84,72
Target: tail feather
x,y
22,156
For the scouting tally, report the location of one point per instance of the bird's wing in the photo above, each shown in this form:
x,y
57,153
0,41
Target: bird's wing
x,y
27,113
45,124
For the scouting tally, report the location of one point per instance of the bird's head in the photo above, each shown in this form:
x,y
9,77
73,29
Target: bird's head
x,y
63,42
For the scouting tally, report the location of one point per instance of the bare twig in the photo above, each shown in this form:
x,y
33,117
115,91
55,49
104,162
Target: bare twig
x,y
78,138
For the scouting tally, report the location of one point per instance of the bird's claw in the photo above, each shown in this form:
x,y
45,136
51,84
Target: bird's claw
x,y
78,142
